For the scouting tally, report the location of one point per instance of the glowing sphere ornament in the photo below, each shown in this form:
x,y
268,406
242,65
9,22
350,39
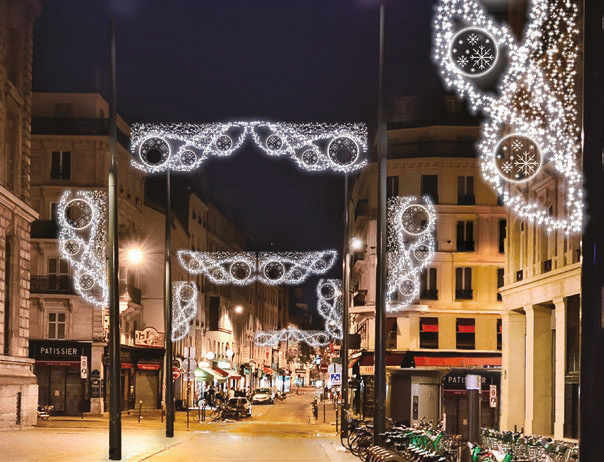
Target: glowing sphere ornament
x,y
184,308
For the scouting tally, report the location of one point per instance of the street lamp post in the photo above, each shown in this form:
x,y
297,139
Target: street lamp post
x,y
168,314
345,315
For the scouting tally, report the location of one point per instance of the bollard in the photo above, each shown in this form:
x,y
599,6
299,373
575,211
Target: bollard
x,y
473,390
162,413
337,420
323,411
140,410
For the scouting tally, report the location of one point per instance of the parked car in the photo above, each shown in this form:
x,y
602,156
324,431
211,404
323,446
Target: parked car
x,y
240,405
263,396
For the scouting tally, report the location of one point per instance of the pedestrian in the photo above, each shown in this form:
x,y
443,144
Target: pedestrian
x,y
212,394
231,393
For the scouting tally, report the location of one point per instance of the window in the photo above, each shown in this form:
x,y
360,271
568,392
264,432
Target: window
x,y
8,256
58,270
14,51
60,165
56,325
465,333
391,331
463,283
465,236
392,186
213,313
428,333
465,190
430,187
428,289
502,234
499,333
500,282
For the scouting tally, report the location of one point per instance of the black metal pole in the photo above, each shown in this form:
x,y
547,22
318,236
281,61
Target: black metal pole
x,y
345,305
113,283
379,413
168,314
592,317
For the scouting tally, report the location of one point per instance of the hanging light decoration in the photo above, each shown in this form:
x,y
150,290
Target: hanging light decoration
x,y
184,308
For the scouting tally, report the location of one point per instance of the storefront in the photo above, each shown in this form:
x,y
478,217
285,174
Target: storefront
x,y
60,382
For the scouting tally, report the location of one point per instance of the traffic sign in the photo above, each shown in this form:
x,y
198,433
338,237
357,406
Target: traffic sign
x,y
493,396
176,371
83,367
324,367
336,379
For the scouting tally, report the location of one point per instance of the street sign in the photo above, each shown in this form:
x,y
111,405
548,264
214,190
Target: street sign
x,y
493,396
83,367
176,371
324,367
336,379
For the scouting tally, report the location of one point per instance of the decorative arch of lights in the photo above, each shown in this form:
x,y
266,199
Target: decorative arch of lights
x,y
312,146
329,304
184,308
530,132
411,226
244,268
83,243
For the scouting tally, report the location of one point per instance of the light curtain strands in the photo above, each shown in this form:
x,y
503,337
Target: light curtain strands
x,y
184,308
530,132
244,268
83,242
411,227
312,146
329,295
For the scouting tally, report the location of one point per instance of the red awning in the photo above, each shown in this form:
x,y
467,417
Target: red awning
x,y
429,324
148,366
127,366
220,371
465,329
392,359
57,363
267,370
457,361
353,361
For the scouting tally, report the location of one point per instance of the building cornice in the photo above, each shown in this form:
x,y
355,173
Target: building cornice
x,y
12,202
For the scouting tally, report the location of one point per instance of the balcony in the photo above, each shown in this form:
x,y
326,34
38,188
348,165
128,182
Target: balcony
x,y
466,199
464,294
51,285
429,294
465,246
132,293
76,126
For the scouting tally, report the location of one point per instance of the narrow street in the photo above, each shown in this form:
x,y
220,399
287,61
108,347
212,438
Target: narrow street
x,y
277,432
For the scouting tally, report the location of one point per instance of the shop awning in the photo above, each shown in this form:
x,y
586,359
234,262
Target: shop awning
x,y
457,361
434,359
214,373
220,372
353,361
267,370
148,366
57,363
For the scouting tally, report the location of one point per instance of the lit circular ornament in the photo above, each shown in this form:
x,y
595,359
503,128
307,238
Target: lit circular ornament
x,y
71,246
415,219
86,281
327,291
194,264
78,214
297,274
240,270
517,158
320,265
154,152
310,157
406,287
224,143
218,274
187,158
421,252
274,271
473,51
186,293
274,142
343,151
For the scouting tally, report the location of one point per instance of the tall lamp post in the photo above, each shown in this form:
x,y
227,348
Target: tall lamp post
x,y
168,314
345,316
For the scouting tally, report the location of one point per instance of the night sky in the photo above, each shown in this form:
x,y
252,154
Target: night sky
x,y
281,60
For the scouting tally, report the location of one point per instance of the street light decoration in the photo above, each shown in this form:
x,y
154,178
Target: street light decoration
x,y
272,338
83,242
530,132
184,308
244,268
312,146
411,227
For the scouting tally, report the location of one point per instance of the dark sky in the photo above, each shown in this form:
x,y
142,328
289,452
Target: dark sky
x,y
281,60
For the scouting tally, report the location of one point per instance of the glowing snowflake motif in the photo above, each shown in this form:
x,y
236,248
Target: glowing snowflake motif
x,y
482,57
516,145
472,39
507,167
526,164
462,61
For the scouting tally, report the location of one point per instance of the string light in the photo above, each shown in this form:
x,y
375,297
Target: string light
x,y
271,338
530,131
312,146
82,242
244,268
411,226
184,308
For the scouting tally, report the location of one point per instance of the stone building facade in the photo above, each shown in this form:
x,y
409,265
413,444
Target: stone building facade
x,y
18,388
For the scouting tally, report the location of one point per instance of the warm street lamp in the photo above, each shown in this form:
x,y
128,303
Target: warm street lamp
x,y
356,244
238,309
135,255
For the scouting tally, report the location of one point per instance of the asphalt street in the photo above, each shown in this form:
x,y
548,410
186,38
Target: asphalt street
x,y
284,431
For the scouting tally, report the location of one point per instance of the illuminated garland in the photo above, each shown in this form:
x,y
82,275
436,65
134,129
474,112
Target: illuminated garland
x,y
329,293
82,242
411,226
312,146
271,268
184,308
530,132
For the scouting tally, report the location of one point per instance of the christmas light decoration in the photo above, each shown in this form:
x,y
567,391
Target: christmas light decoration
x,y
271,268
530,133
271,338
411,226
82,242
312,146
184,308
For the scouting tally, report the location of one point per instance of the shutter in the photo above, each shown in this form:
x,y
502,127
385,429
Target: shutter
x,y
469,231
460,232
66,166
55,165
470,186
461,190
458,278
468,279
432,278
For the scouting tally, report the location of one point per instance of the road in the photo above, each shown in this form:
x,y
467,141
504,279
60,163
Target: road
x,y
280,432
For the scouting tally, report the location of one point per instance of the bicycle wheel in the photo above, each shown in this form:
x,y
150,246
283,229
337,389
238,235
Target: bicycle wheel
x,y
216,414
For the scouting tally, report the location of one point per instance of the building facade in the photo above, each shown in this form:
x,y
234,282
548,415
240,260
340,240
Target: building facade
x,y
18,387
455,326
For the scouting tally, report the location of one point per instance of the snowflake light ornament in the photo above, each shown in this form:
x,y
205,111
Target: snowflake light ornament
x,y
533,113
83,243
312,146
411,226
184,308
